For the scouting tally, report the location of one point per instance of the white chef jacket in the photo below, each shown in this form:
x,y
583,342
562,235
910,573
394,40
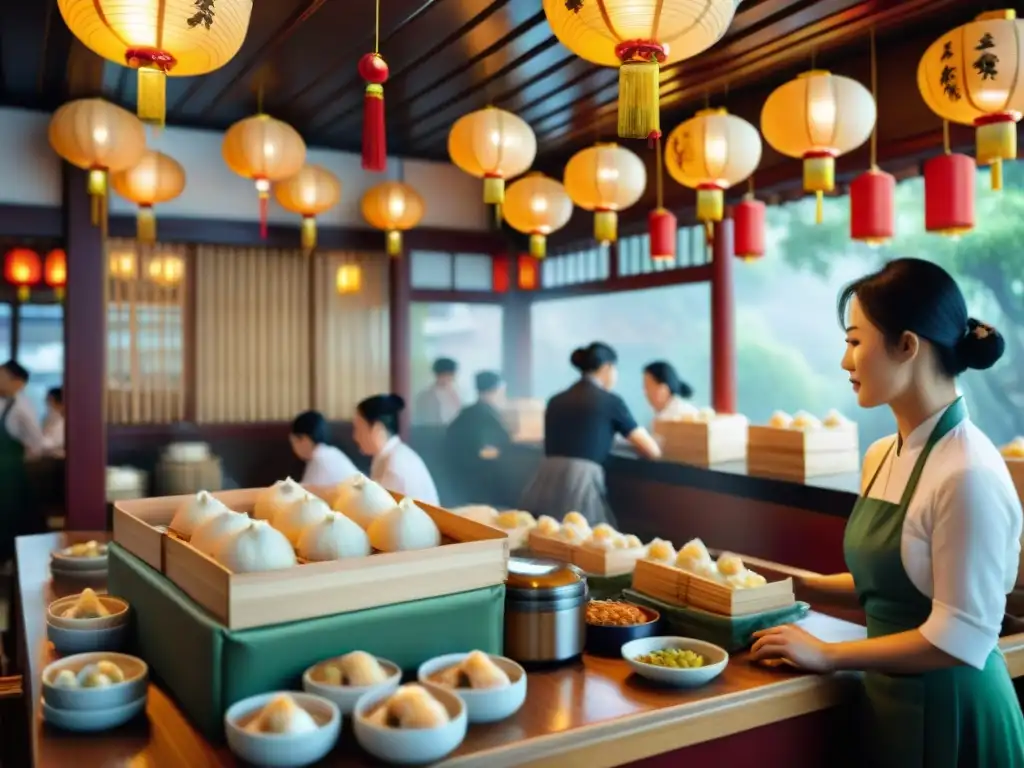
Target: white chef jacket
x,y
437,406
328,466
399,468
960,544
22,424
53,434
674,410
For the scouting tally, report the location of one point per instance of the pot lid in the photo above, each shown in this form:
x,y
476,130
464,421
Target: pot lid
x,y
536,574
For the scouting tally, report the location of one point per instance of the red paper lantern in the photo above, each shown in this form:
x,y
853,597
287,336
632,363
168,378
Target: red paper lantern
x,y
949,194
873,207
374,70
527,273
748,228
55,271
22,268
664,231
500,279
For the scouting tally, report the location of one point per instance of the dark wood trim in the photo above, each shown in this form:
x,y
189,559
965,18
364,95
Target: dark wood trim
x,y
189,334
456,297
723,319
23,221
15,327
628,283
399,330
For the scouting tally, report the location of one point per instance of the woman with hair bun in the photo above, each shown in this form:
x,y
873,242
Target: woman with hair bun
x,y
932,545
395,465
667,393
580,425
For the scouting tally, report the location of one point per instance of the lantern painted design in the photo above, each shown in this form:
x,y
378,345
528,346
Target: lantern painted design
x,y
873,207
605,179
817,117
310,192
374,70
493,145
23,269
663,230
748,222
159,38
710,153
55,271
156,178
527,278
99,137
537,205
949,194
500,278
348,279
166,271
638,37
394,207
972,75
265,150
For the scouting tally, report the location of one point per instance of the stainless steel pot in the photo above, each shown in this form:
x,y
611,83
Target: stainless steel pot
x,y
545,610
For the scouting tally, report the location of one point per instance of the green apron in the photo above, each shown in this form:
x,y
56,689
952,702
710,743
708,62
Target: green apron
x,y
13,485
959,717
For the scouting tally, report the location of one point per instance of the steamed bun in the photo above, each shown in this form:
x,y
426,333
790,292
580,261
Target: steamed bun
x,y
275,498
405,527
195,511
361,499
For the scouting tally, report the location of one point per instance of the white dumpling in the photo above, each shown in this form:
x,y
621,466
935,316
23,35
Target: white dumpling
x,y
413,707
573,534
1014,449
194,512
257,547
282,715
276,497
482,672
576,520
211,534
548,526
513,519
405,527
628,542
706,414
333,537
602,539
294,518
731,565
87,606
695,558
111,670
362,500
361,669
805,420
65,679
480,513
835,419
90,676
661,551
780,420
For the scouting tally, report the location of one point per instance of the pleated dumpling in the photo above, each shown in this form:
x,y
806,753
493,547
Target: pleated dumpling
x,y
211,534
548,526
282,715
482,672
362,500
294,518
412,706
661,551
195,511
257,547
333,537
405,527
275,498
87,606
362,669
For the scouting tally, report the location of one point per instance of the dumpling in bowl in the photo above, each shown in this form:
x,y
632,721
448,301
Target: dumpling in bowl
x,y
87,606
361,669
412,706
282,715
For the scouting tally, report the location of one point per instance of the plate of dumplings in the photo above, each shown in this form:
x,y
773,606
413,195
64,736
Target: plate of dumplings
x,y
284,729
345,679
82,560
492,687
414,725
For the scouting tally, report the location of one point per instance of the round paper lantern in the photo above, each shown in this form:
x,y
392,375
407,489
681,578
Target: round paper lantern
x,y
121,265
159,38
710,153
265,150
22,269
873,207
166,271
55,271
949,194
663,231
347,279
155,179
605,179
972,76
638,36
748,218
310,192
818,117
537,205
99,137
394,207
493,145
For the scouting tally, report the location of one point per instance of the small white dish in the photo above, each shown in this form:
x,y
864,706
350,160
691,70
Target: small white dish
x,y
91,575
92,720
63,560
68,641
282,750
118,613
483,705
410,746
715,660
134,687
346,696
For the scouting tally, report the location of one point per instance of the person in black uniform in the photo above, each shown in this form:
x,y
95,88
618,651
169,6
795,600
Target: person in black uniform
x,y
580,425
475,440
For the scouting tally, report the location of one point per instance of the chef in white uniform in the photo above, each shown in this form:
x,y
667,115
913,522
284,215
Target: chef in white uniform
x,y
325,464
395,465
667,394
53,423
21,438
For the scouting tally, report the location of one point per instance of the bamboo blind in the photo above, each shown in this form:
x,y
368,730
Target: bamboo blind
x,y
352,351
146,306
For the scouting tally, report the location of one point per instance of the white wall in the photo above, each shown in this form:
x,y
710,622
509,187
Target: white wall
x,y
30,175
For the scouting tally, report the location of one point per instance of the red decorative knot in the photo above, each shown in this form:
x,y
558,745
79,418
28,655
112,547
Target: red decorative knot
x,y
640,50
653,138
154,58
373,69
709,186
820,153
493,175
998,117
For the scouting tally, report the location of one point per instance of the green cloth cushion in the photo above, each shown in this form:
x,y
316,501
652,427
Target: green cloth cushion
x,y
608,587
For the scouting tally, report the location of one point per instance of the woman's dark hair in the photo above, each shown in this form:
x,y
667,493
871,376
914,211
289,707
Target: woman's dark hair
x,y
56,394
444,365
313,425
590,359
382,409
17,370
664,373
921,297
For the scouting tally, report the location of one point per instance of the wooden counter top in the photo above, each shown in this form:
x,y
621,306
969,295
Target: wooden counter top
x,y
594,713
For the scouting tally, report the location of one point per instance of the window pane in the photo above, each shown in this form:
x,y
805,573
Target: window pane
x,y
41,349
473,272
430,270
5,331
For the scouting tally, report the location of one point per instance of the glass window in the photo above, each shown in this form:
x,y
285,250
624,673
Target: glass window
x,y
430,270
145,344
5,331
41,349
473,272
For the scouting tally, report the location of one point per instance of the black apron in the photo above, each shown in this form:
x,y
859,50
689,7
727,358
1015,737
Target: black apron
x,y
14,482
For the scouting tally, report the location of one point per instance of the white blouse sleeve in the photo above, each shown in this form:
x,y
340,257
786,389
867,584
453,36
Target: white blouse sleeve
x,y
972,520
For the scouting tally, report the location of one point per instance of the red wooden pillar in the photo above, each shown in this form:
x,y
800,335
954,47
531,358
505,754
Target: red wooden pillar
x,y
723,320
85,347
398,331
516,341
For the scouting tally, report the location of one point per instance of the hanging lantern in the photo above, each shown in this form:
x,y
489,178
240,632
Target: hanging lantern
x,y
121,265
873,207
348,279
99,137
265,150
663,230
493,145
374,70
183,38
748,219
537,205
972,75
394,207
818,117
156,178
500,278
22,269
949,194
605,179
166,271
310,192
526,273
638,37
55,271
709,153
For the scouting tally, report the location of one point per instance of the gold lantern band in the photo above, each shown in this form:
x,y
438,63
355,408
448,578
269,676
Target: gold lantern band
x,y
538,245
639,79
494,190
309,233
710,202
97,186
394,242
996,140
606,226
153,65
145,224
819,177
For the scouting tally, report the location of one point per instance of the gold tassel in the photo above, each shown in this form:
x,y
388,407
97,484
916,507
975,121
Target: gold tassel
x,y
308,233
997,174
394,242
97,187
639,116
23,293
819,207
152,99
538,246
145,224
606,226
494,190
710,204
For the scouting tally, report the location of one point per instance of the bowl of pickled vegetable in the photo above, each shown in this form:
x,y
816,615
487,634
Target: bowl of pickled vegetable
x,y
678,661
611,624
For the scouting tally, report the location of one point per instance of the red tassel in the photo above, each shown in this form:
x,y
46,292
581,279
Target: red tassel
x,y
264,209
374,70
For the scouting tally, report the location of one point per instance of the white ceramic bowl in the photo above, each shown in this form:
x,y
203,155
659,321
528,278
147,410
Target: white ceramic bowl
x,y
90,720
118,613
69,641
346,696
715,660
412,746
483,705
90,578
63,560
282,750
134,687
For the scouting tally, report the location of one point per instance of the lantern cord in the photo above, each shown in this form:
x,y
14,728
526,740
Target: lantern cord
x,y
259,98
707,100
658,181
874,95
750,187
945,137
376,28
814,57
